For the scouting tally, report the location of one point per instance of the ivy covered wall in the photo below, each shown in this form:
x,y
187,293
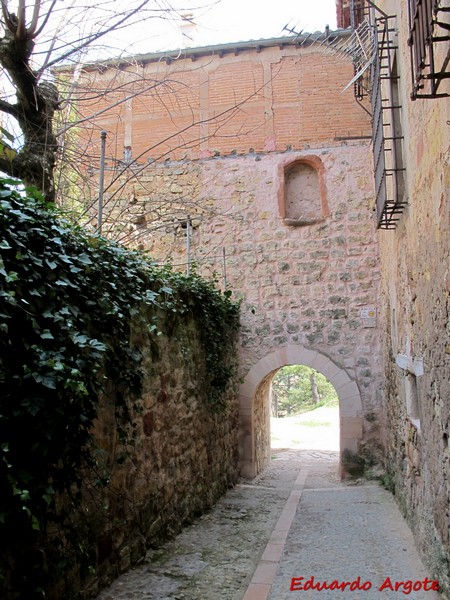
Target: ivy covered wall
x,y
118,410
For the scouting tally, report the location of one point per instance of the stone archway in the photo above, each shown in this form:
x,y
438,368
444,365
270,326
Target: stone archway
x,y
254,442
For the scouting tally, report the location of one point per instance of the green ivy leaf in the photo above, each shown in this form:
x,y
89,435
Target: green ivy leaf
x,y
51,264
47,335
11,277
84,259
97,345
45,380
9,136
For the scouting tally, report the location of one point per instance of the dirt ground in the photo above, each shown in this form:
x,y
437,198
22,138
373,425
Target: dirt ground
x,y
314,430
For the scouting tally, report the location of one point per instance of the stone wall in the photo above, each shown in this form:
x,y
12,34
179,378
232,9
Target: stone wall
x,y
416,318
303,282
261,410
267,165
183,458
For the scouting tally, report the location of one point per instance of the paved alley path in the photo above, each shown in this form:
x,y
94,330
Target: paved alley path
x,y
295,520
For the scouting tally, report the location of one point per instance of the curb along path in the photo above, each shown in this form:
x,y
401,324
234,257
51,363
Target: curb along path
x,y
293,523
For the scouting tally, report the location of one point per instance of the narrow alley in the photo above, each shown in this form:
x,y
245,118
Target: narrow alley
x,y
292,528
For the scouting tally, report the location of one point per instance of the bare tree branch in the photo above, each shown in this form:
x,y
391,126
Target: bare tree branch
x,y
45,20
55,37
10,109
7,17
35,18
21,31
93,38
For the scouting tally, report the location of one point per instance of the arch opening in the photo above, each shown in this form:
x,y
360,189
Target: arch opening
x,y
254,406
304,409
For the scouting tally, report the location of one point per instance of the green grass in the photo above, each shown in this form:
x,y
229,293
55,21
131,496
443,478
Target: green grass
x,y
305,408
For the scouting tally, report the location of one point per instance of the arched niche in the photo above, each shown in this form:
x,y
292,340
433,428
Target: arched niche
x,y
303,195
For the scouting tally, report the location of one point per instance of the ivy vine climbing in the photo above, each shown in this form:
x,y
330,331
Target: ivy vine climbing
x,y
67,304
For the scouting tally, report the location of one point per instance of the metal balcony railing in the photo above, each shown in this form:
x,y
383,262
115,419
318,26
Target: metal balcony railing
x,y
387,132
429,28
382,86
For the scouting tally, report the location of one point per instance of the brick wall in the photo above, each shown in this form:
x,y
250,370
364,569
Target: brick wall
x,y
265,99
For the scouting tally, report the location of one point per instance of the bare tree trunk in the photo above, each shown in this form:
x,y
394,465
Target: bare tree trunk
x,y
274,404
314,391
36,161
288,389
34,111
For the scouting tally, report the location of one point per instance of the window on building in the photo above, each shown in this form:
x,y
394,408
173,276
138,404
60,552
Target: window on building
x,y
429,34
303,197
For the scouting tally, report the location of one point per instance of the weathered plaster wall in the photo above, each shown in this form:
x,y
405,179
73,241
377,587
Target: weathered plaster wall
x,y
415,262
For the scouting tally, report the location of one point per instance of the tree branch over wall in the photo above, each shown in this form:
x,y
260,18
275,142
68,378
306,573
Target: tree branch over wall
x,y
35,37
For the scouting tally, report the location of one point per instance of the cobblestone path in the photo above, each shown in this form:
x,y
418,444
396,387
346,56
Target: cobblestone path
x,y
294,520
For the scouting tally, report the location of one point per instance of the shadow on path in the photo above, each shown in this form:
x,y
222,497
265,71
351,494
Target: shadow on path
x,y
294,520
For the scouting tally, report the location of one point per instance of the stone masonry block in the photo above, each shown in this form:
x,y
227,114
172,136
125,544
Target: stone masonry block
x,y
350,444
351,427
245,401
327,367
340,379
350,407
347,390
298,355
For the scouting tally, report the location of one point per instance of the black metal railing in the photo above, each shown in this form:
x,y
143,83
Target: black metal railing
x,y
386,128
427,30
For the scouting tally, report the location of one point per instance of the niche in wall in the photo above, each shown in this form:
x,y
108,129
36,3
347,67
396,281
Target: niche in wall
x,y
304,201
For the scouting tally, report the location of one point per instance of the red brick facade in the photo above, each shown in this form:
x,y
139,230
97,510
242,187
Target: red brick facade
x,y
343,13
268,97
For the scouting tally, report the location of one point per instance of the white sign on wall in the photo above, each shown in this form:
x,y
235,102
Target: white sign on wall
x,y
369,316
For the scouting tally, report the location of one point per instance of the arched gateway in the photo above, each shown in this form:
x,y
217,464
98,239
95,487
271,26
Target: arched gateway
x,y
280,198
254,410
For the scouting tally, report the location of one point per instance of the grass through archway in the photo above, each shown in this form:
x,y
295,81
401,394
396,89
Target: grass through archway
x,y
304,410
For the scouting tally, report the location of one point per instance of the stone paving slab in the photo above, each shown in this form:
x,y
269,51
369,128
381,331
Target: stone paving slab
x,y
295,520
215,558
349,534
